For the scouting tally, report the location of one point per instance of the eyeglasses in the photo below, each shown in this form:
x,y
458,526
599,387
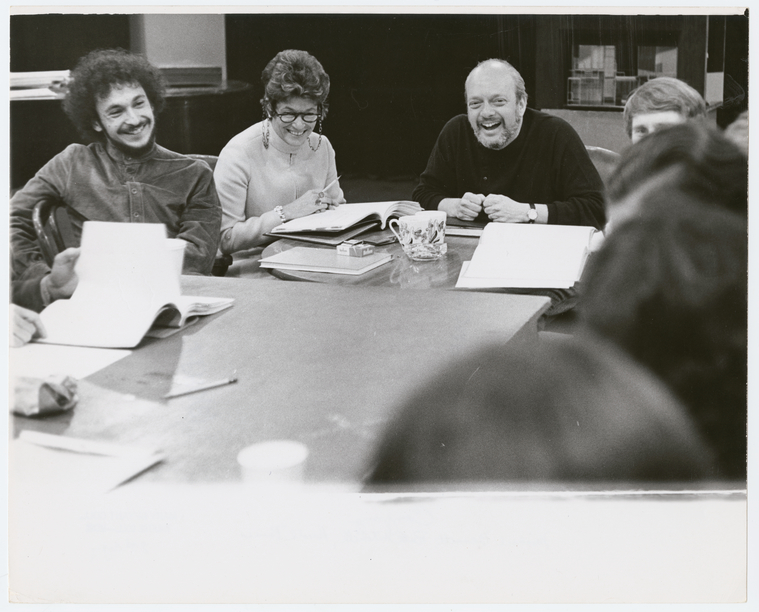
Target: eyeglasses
x,y
290,117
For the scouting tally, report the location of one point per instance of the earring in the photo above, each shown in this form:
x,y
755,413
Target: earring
x,y
265,138
319,143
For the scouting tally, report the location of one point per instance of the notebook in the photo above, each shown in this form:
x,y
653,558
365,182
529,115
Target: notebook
x,y
329,238
324,260
459,227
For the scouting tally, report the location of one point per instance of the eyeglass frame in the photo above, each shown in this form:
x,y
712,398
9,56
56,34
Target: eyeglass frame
x,y
303,116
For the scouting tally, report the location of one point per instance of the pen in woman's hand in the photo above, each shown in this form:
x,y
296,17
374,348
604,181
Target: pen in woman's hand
x,y
321,194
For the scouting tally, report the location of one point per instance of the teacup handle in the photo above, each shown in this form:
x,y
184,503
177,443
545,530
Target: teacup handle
x,y
390,226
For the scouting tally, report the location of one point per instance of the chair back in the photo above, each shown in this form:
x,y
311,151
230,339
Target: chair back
x,y
209,159
222,262
53,228
604,160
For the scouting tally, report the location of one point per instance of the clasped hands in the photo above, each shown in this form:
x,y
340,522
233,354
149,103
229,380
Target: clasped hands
x,y
499,208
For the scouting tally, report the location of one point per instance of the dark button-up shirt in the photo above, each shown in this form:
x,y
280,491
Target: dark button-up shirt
x,y
100,183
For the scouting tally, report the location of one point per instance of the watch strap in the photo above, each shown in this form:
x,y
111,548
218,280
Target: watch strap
x,y
533,215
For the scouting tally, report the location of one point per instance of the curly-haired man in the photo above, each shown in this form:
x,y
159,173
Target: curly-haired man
x,y
123,175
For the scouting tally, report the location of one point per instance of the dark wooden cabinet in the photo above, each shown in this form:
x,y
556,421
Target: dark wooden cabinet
x,y
204,119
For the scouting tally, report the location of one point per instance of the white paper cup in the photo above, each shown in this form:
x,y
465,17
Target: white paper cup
x,y
176,247
273,462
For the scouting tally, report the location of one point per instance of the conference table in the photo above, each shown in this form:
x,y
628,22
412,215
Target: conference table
x,y
323,365
329,366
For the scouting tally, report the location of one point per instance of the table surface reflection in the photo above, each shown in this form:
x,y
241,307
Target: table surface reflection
x,y
400,272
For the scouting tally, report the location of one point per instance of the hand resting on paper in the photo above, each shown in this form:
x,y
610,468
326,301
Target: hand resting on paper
x,y
313,201
62,280
466,208
25,325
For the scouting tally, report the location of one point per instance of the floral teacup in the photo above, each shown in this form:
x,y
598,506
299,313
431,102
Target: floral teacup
x,y
422,235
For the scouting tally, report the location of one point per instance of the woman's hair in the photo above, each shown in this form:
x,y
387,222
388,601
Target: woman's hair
x,y
669,287
100,71
566,412
696,159
294,73
660,95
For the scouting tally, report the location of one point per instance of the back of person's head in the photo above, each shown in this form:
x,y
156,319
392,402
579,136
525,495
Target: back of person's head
x,y
567,412
670,287
660,95
695,159
96,74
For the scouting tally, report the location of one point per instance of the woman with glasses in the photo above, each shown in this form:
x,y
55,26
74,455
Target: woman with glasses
x,y
282,168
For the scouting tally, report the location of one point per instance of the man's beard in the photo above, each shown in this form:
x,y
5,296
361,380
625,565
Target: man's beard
x,y
135,151
508,135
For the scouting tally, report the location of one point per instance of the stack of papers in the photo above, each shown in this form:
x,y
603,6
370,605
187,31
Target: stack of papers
x,y
43,84
37,79
75,465
324,260
527,256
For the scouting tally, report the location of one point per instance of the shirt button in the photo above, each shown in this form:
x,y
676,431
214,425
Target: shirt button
x,y
134,191
136,215
484,178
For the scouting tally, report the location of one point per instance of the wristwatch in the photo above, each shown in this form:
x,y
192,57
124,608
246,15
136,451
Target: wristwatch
x,y
280,211
532,214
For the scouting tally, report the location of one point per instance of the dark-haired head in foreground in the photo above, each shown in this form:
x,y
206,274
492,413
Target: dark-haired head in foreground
x,y
670,288
697,160
567,412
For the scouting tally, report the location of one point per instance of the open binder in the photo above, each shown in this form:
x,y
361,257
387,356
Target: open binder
x,y
128,281
346,216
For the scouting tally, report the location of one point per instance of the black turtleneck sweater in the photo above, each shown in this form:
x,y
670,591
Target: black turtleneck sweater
x,y
546,164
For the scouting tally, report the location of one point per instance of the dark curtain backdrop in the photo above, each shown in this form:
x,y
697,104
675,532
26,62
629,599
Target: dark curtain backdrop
x,y
395,79
56,42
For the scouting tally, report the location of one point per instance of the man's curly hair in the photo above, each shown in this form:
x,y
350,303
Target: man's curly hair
x,y
96,74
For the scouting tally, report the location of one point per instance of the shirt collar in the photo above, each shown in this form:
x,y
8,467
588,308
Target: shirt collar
x,y
120,157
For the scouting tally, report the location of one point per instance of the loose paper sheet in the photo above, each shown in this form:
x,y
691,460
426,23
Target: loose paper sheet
x,y
43,360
